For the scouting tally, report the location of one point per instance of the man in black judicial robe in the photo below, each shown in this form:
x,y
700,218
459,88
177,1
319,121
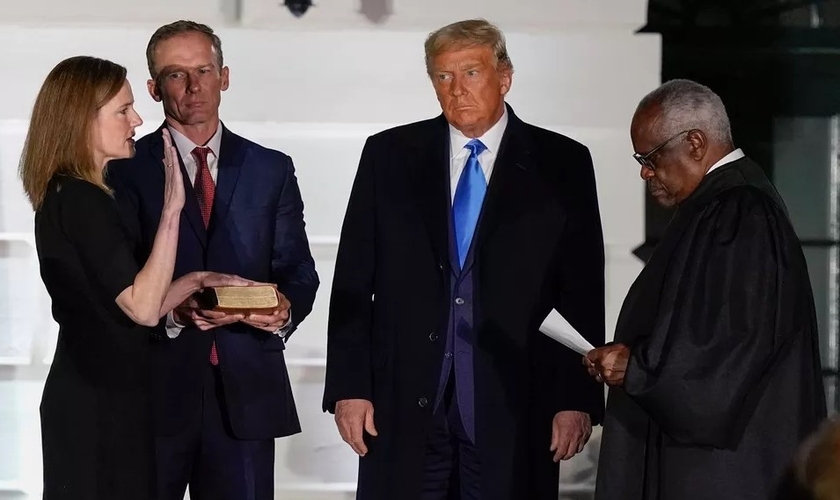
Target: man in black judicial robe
x,y
715,370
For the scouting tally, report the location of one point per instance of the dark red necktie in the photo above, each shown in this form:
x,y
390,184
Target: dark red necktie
x,y
205,190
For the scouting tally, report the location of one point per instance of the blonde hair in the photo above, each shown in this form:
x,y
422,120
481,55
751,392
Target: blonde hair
x,y
60,129
469,33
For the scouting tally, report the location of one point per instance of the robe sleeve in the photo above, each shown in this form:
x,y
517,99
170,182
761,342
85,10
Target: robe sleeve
x,y
717,326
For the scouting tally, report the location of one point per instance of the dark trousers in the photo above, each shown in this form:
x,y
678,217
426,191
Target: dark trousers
x,y
451,467
205,455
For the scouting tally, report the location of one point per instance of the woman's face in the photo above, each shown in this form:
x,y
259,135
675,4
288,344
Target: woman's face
x,y
113,128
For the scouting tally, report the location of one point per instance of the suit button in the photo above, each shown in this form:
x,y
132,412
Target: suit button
x,y
433,336
440,265
459,301
422,402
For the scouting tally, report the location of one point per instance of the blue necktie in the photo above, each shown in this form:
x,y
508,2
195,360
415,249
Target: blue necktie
x,y
469,195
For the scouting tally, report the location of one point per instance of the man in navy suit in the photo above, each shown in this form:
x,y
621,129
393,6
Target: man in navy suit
x,y
221,392
462,232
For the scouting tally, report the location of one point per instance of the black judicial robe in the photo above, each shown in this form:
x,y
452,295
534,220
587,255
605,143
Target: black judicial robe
x,y
724,375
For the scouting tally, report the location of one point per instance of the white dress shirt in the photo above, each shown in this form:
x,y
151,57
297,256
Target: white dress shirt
x,y
458,154
185,147
733,156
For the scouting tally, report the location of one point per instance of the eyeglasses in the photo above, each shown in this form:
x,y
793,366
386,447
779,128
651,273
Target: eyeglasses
x,y
644,159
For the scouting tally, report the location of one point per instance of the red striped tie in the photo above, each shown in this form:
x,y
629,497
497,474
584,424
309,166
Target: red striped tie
x,y
205,190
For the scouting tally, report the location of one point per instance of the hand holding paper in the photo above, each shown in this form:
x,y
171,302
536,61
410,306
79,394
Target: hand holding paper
x,y
608,364
556,327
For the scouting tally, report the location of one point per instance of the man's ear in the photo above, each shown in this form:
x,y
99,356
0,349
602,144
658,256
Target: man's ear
x,y
698,144
154,91
506,78
225,78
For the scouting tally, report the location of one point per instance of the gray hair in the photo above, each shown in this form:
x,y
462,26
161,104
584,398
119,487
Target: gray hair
x,y
687,105
470,33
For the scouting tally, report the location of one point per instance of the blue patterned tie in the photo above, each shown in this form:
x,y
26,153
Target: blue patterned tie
x,y
469,195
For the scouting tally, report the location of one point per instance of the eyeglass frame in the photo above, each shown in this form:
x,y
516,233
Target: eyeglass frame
x,y
644,159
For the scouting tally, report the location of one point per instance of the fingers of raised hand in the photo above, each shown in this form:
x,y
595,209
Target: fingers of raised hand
x,y
170,153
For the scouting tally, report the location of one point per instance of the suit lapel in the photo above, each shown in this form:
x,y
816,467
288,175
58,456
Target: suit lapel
x,y
231,156
431,185
191,211
507,189
505,192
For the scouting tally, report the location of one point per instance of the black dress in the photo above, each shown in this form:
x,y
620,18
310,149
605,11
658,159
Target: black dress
x,y
94,411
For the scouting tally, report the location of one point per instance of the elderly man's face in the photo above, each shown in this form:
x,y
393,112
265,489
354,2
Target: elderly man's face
x,y
672,172
470,89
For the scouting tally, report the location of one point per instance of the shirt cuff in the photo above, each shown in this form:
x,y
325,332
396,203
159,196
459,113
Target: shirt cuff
x,y
285,329
173,328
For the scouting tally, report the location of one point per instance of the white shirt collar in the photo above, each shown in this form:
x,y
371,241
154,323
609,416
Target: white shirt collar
x,y
492,138
733,156
185,145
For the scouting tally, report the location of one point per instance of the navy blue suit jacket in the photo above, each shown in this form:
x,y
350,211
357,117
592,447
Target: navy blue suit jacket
x,y
256,231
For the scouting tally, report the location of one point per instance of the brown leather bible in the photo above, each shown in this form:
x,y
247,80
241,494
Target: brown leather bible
x,y
245,300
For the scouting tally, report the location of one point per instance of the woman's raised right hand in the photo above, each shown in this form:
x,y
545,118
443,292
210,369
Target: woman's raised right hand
x,y
173,191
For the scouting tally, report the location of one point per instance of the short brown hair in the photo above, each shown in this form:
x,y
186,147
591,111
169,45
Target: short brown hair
x,y
170,30
59,136
470,33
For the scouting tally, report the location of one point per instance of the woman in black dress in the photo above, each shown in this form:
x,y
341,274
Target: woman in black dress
x,y
95,410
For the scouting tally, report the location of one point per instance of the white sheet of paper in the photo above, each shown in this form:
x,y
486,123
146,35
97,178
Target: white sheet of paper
x,y
556,327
